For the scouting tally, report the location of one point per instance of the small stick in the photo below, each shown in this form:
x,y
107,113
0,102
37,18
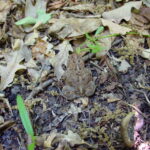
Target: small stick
x,y
39,88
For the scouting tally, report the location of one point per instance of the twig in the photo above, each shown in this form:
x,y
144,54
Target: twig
x,y
39,88
147,99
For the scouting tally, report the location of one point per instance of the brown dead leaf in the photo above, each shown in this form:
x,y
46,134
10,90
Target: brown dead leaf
x,y
42,47
55,5
121,13
7,73
115,28
145,11
4,9
73,27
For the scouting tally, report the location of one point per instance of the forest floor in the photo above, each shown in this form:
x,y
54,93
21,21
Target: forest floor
x,y
82,69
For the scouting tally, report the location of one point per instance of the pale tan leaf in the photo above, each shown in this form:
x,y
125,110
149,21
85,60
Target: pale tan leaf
x,y
80,7
115,28
4,9
30,9
105,43
73,27
31,38
121,13
146,2
61,58
13,64
146,54
73,138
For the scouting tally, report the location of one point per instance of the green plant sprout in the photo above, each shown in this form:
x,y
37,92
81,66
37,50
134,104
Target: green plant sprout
x,y
42,17
92,43
26,121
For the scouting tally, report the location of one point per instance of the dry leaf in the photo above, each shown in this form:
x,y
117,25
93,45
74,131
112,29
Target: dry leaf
x,y
31,38
30,9
50,139
146,2
123,12
55,5
61,58
105,43
73,27
4,9
145,11
115,28
81,7
73,138
7,73
146,54
124,66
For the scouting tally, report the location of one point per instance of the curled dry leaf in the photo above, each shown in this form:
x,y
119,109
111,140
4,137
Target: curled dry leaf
x,y
73,27
121,13
115,28
61,58
124,130
7,73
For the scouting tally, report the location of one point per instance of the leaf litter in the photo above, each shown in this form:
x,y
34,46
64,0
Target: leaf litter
x,y
37,38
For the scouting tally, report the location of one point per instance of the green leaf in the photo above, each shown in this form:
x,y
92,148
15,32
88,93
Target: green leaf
x,y
24,116
95,48
99,30
26,21
31,146
90,38
42,17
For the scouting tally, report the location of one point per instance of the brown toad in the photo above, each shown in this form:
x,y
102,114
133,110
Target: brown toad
x,y
78,79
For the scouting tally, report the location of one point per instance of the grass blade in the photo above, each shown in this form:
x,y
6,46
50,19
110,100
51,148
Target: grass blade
x,y
24,116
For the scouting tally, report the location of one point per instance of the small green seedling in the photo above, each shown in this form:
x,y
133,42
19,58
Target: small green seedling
x,y
42,17
26,121
92,43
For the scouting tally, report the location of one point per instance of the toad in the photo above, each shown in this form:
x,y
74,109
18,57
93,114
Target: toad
x,y
78,79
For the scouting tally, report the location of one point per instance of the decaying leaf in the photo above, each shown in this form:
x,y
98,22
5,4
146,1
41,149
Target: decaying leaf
x,y
80,7
121,13
73,27
73,138
31,38
115,28
4,9
7,73
61,58
145,11
122,65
